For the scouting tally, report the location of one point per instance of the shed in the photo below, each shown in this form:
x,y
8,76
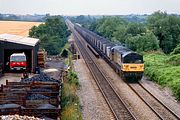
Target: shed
x,y
10,44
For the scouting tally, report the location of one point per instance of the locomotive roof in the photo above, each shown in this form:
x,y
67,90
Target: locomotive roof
x,y
130,52
111,44
122,49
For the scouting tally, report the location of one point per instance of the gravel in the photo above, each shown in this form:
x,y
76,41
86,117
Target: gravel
x,y
136,105
42,77
37,97
17,117
94,106
163,94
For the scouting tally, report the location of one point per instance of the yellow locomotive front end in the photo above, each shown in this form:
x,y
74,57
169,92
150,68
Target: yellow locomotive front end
x,y
132,66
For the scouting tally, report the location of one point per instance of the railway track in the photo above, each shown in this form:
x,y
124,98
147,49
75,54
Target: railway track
x,y
116,104
160,109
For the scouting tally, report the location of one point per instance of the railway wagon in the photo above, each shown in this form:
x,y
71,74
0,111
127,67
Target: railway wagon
x,y
103,41
124,61
107,48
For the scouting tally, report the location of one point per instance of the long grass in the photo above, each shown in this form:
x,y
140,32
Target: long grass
x,y
69,100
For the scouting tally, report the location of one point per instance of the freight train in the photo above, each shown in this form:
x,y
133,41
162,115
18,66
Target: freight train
x,y
127,63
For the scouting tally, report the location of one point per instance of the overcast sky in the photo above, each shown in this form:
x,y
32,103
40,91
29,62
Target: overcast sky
x,y
92,7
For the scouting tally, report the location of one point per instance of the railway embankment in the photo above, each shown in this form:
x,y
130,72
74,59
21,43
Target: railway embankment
x,y
164,70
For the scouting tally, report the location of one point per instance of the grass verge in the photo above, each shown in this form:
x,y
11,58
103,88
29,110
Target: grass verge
x,y
165,70
69,100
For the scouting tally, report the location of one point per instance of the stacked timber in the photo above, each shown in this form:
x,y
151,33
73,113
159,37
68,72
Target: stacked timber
x,y
42,58
37,96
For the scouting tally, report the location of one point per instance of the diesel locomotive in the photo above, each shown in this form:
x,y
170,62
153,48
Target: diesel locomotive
x,y
127,63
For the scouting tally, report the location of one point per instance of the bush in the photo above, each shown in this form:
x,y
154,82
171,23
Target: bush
x,y
69,99
174,60
176,50
163,72
73,79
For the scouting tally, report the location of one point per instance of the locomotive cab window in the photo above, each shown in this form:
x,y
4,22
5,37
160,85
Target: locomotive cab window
x,y
133,58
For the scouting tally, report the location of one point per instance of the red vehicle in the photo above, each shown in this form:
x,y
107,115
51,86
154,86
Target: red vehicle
x,y
18,61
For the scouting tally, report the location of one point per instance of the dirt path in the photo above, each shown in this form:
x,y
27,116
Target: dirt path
x,y
12,77
53,68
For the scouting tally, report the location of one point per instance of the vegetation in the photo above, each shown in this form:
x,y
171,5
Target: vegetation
x,y
176,50
166,28
53,34
167,73
174,60
69,99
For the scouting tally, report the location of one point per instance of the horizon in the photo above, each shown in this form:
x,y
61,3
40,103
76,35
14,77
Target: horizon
x,y
86,14
88,7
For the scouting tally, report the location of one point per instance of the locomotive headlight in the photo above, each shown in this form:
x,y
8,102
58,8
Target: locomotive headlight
x,y
125,66
142,66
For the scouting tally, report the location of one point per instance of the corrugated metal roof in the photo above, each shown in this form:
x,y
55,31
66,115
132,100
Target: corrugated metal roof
x,y
19,39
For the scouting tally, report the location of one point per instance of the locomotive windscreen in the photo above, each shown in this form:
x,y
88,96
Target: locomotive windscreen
x,y
133,58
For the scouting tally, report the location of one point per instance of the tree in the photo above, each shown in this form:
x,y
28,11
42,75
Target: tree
x,y
53,34
107,25
146,42
120,34
135,29
166,28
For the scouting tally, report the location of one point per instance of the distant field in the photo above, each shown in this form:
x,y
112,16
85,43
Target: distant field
x,y
17,27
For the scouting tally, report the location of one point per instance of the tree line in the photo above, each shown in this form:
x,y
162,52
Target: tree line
x,y
159,31
52,34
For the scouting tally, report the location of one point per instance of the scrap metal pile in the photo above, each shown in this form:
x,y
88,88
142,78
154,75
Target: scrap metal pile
x,y
42,77
38,96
